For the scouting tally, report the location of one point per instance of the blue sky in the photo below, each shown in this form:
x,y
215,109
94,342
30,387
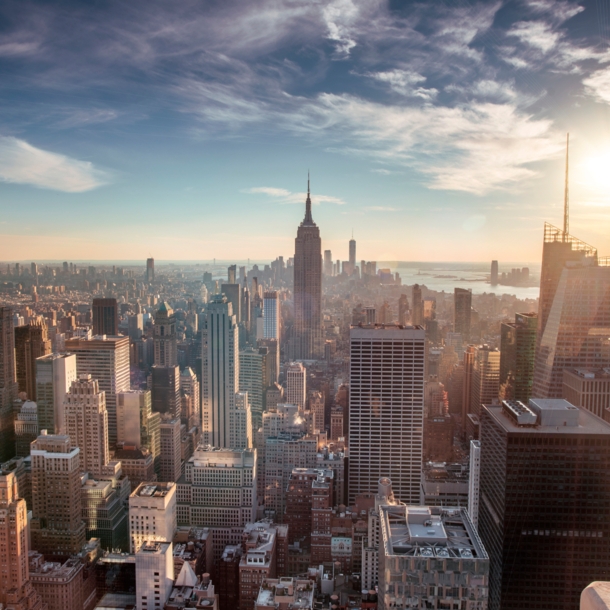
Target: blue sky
x,y
184,130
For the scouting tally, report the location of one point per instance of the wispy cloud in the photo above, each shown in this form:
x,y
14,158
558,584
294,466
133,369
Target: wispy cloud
x,y
23,163
380,208
286,196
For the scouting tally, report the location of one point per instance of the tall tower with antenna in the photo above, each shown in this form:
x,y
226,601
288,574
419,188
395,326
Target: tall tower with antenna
x,y
566,193
352,254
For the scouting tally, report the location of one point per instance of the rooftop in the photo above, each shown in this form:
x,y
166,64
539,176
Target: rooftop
x,y
423,531
153,490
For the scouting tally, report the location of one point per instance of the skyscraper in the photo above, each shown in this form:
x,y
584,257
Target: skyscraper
x,y
166,353
57,527
462,311
307,288
54,376
544,497
253,380
87,424
105,317
485,377
150,270
417,314
233,293
107,360
296,385
220,373
31,342
577,327
403,309
386,409
8,383
352,255
16,591
271,315
328,263
517,353
494,273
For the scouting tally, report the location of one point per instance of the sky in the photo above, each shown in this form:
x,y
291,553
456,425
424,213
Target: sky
x,y
435,131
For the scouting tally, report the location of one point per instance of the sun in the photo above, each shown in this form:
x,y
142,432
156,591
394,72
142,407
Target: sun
x,y
593,173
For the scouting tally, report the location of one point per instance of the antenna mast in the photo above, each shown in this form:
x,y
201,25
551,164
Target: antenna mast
x,y
566,196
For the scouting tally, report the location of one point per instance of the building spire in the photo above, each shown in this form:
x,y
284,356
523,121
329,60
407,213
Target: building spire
x,y
566,195
308,220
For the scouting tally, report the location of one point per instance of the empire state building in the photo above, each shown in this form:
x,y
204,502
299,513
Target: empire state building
x,y
308,288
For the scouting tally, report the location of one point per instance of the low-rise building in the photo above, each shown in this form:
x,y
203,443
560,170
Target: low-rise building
x,y
285,593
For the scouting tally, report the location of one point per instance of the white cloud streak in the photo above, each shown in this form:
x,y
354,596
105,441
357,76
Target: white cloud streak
x,y
286,196
22,163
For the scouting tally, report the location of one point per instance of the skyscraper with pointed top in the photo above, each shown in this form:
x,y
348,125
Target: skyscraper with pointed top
x,y
307,339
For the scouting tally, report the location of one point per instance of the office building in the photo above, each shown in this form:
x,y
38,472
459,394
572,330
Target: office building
x,y
54,376
328,263
462,303
152,514
232,292
271,315
386,409
165,390
87,424
273,359
171,450
150,270
296,384
484,379
403,309
16,590
318,407
588,389
431,557
138,425
26,428
221,377
164,336
57,527
105,315
31,342
253,379
191,399
107,360
307,339
8,383
493,278
517,357
219,489
544,494
577,327
417,313
154,575
474,482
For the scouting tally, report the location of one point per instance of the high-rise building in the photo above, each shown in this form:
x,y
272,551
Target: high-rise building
x,y
328,263
105,314
296,384
171,450
87,424
31,342
307,288
165,343
588,389
26,428
154,575
220,374
54,376
474,482
165,389
253,380
191,398
232,274
219,489
517,357
16,590
494,273
57,527
457,562
484,377
107,360
544,494
138,425
271,315
403,309
152,514
233,293
577,327
462,302
386,409
417,313
8,383
150,270
352,255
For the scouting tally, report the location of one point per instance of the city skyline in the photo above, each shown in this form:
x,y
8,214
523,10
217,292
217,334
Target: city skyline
x,y
370,97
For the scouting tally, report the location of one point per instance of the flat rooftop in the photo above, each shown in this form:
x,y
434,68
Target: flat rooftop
x,y
153,490
429,531
551,414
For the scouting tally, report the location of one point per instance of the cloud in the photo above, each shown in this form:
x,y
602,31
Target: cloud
x,y
380,208
405,82
536,34
286,196
598,85
23,163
